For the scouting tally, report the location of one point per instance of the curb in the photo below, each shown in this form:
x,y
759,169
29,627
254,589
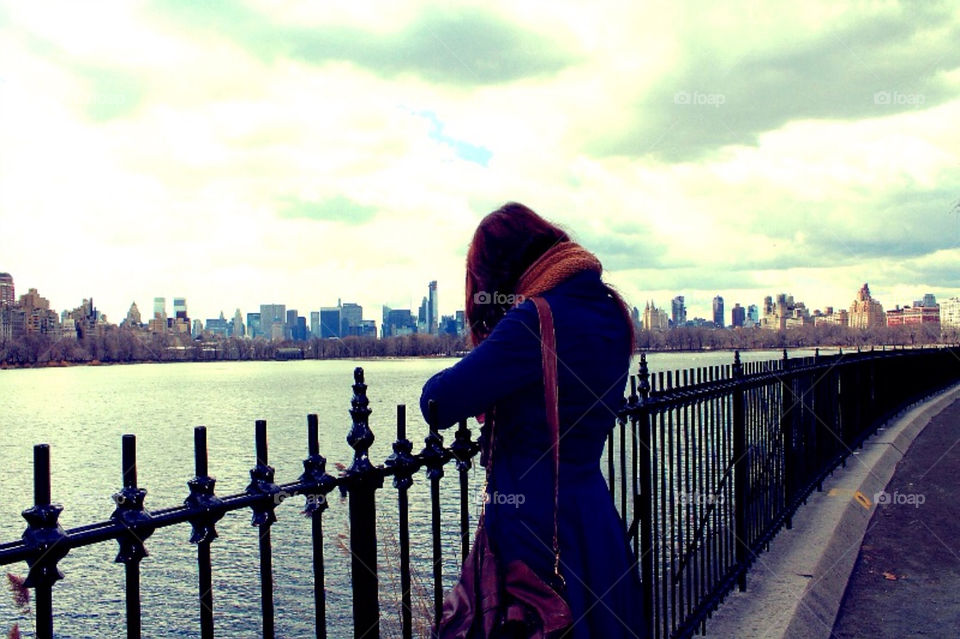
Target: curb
x,y
795,588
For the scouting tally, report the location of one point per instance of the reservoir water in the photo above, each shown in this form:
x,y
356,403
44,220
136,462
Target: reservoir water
x,y
82,413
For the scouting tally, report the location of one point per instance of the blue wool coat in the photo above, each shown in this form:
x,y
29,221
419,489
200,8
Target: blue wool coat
x,y
506,370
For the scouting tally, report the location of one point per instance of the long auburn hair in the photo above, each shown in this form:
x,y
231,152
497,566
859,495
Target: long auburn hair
x,y
505,244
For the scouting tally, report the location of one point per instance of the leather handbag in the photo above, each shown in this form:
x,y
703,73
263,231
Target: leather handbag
x,y
492,600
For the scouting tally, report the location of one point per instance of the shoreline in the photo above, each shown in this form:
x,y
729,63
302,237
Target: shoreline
x,y
459,354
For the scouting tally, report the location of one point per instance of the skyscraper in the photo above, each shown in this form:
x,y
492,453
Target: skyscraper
x,y
423,323
7,297
160,308
180,308
330,321
718,311
432,309
253,325
678,311
237,329
351,319
737,315
272,317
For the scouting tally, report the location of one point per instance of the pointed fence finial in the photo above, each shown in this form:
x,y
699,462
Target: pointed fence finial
x,y
643,375
360,437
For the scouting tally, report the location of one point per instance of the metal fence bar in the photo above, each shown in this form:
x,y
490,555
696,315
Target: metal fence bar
x,y
362,482
261,483
314,472
204,532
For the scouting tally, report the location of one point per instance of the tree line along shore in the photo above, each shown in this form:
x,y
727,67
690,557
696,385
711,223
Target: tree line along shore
x,y
114,344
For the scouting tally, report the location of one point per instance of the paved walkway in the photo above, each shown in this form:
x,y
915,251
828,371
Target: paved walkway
x,y
906,580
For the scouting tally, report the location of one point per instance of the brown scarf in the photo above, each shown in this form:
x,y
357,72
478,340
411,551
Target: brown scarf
x,y
560,263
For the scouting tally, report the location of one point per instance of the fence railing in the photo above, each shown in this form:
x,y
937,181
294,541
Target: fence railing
x,y
705,466
715,461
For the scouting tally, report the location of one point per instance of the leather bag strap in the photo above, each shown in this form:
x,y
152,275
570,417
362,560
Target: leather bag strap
x,y
548,347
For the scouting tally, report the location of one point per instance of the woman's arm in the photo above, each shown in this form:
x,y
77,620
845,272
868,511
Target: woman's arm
x,y
509,359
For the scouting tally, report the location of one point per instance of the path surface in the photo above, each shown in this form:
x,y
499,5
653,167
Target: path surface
x,y
906,580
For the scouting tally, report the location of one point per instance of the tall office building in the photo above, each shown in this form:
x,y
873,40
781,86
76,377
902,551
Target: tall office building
x,y
272,317
7,297
180,308
237,329
315,323
158,321
397,321
351,319
423,325
253,325
290,326
950,312
678,311
7,300
738,315
753,314
718,312
133,317
330,321
433,313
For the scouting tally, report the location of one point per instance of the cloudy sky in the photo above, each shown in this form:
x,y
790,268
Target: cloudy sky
x,y
239,153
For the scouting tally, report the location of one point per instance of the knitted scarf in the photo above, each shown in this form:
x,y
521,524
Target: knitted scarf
x,y
560,263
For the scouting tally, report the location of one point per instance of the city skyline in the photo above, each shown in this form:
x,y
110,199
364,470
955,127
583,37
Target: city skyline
x,y
429,314
231,153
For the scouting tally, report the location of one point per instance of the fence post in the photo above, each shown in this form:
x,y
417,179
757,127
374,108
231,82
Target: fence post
x,y
403,464
208,505
740,473
131,514
362,480
434,457
320,483
261,483
787,402
646,522
46,540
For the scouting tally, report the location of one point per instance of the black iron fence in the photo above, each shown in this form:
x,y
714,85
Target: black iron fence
x,y
714,461
705,466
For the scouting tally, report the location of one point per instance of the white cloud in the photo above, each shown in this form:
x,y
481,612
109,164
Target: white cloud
x,y
142,160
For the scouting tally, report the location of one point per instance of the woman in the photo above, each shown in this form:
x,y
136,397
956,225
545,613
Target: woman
x,y
515,254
